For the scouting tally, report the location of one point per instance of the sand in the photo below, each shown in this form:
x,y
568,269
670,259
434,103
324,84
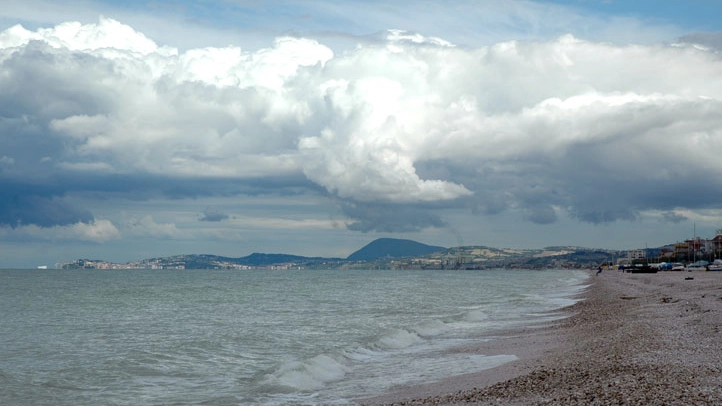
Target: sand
x,y
635,339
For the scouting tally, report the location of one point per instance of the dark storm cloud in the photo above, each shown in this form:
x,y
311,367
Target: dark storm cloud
x,y
530,187
583,186
193,187
599,214
33,201
19,207
41,201
389,218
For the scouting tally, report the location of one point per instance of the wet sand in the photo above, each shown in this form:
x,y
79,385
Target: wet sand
x,y
636,339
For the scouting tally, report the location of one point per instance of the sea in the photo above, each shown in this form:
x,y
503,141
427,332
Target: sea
x,y
257,337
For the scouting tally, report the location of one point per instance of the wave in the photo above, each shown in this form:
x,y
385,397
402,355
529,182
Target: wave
x,y
311,374
397,339
321,370
431,328
475,315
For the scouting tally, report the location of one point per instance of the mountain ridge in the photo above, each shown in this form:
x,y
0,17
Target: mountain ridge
x,y
382,252
392,248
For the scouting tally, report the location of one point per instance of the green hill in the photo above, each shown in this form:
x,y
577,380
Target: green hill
x,y
392,248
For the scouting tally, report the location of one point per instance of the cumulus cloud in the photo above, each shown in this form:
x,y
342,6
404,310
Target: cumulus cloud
x,y
97,231
107,35
598,131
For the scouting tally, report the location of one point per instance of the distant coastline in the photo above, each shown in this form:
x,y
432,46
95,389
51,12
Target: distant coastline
x,y
472,257
389,253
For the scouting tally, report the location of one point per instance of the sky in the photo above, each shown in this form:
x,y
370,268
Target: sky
x,y
139,129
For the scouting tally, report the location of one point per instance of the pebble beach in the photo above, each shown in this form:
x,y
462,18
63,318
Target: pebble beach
x,y
634,339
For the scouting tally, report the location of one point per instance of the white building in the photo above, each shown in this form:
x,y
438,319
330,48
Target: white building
x,y
636,254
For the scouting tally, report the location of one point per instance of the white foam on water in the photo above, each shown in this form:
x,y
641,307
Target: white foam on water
x,y
311,374
431,328
400,338
362,354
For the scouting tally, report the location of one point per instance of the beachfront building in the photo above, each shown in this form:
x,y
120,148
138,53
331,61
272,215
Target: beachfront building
x,y
697,248
681,251
666,254
717,245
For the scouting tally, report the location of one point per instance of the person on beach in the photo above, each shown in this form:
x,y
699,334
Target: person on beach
x,y
599,270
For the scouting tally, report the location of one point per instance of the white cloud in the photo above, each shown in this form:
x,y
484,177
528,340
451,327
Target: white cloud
x,y
361,123
107,34
97,231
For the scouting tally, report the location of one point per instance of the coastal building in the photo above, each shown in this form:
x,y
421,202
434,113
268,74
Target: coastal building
x,y
666,254
696,249
636,254
717,245
681,251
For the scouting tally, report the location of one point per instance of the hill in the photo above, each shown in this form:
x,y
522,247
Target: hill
x,y
393,248
387,253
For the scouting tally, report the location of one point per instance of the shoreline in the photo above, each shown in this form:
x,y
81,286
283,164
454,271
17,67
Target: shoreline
x,y
634,339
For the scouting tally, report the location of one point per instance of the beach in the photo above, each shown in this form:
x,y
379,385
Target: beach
x,y
634,339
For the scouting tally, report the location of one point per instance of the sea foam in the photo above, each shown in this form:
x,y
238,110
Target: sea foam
x,y
399,338
311,374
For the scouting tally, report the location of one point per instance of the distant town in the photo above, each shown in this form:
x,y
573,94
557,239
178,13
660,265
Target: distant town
x,y
179,262
405,254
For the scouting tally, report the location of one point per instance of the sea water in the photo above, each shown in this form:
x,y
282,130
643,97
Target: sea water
x,y
220,337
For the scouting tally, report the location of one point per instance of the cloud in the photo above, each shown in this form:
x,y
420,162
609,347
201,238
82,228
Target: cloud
x,y
20,207
389,218
278,223
394,128
542,215
107,35
145,226
708,40
97,231
213,215
672,217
